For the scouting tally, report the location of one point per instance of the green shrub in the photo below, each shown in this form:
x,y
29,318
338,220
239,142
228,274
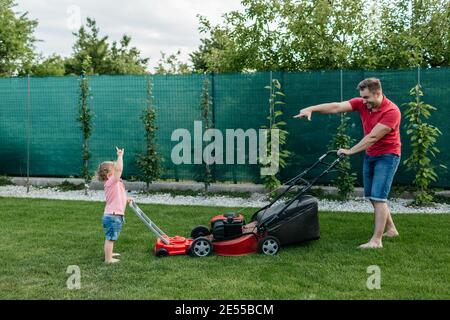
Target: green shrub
x,y
149,162
271,182
345,180
5,181
423,137
69,186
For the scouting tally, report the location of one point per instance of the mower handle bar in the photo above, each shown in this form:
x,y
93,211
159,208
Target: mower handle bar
x,y
298,177
149,223
292,182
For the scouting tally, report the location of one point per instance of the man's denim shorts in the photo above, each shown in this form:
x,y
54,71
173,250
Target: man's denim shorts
x,y
112,224
378,173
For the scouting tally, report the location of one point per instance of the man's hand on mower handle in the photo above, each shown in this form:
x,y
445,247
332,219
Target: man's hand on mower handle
x,y
304,113
344,152
129,200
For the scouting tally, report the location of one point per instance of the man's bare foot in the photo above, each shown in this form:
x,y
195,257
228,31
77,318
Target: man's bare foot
x,y
391,234
371,245
113,261
116,254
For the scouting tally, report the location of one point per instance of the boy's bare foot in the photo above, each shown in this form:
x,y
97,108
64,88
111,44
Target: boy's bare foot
x,y
116,254
391,233
371,245
113,261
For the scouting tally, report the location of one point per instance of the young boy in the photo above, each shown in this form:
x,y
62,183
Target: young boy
x,y
116,200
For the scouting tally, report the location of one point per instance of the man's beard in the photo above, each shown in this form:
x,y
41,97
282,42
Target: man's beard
x,y
370,105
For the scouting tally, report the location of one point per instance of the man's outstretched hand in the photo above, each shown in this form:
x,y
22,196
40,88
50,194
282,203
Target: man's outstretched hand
x,y
304,113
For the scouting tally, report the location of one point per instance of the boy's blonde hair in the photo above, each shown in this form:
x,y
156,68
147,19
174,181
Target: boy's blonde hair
x,y
103,169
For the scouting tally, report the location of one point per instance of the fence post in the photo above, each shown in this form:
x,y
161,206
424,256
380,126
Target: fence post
x,y
341,73
418,75
213,116
28,132
270,97
283,116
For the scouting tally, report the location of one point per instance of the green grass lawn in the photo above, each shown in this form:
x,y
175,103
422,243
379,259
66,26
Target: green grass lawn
x,y
39,239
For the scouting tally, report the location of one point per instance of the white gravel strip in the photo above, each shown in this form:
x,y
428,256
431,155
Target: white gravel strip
x,y
355,205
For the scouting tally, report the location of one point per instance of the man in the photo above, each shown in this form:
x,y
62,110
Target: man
x,y
381,143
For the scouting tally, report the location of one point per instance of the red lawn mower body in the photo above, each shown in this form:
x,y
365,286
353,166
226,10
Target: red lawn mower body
x,y
233,226
237,247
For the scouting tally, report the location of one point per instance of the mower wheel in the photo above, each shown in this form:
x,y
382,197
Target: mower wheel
x,y
200,247
161,253
269,245
200,231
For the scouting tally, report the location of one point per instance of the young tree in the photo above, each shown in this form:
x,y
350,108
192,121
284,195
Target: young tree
x,y
423,138
345,180
85,118
205,174
276,124
149,162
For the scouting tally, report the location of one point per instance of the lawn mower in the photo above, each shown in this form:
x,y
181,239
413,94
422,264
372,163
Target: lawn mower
x,y
165,245
280,223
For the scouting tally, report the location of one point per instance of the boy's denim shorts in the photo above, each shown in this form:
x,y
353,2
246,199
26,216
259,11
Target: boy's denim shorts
x,y
112,225
378,173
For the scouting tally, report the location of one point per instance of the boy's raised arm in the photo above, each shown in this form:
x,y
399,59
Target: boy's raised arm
x,y
118,166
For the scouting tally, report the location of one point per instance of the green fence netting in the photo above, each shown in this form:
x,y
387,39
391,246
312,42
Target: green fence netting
x,y
39,127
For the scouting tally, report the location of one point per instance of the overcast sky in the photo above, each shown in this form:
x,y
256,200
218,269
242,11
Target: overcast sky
x,y
154,25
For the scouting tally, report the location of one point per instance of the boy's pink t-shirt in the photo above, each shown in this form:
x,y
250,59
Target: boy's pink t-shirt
x,y
116,197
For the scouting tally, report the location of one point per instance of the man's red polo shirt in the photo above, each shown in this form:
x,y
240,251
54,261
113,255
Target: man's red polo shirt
x,y
387,114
